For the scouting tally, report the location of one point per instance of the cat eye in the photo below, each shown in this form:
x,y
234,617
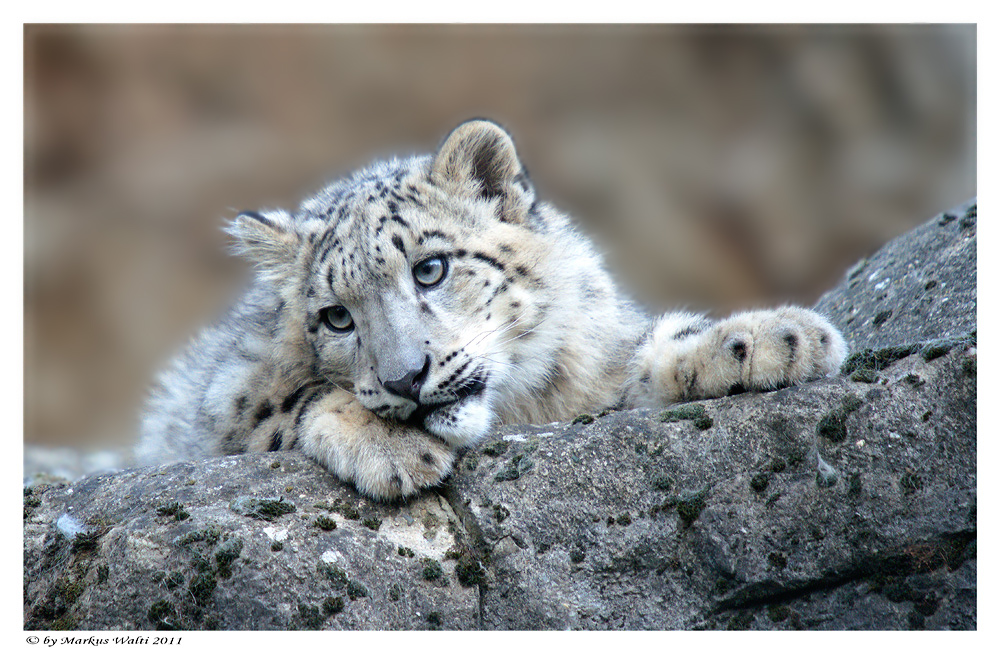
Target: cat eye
x,y
430,272
337,319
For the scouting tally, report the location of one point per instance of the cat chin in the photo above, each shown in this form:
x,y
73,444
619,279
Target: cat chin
x,y
461,424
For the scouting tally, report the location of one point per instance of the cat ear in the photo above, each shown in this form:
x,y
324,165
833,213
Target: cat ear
x,y
267,238
478,160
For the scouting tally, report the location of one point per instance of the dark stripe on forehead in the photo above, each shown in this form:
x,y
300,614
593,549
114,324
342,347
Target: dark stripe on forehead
x,y
488,259
434,233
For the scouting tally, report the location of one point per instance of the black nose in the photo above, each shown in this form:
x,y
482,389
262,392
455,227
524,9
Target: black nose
x,y
410,384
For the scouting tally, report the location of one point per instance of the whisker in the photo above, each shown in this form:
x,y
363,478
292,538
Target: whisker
x,y
521,335
484,334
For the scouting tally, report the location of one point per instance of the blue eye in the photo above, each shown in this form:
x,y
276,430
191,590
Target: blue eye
x,y
337,319
430,272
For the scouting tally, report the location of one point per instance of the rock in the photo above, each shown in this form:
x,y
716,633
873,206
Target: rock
x,y
634,523
248,542
846,503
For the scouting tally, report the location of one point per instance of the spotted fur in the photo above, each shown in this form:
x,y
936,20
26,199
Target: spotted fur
x,y
404,310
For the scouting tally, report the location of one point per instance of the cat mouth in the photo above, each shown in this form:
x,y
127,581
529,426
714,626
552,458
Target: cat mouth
x,y
473,386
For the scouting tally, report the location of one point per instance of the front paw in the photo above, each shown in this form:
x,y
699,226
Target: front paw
x,y
689,358
384,460
413,461
764,350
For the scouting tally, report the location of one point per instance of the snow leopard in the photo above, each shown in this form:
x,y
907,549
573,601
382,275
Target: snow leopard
x,y
409,307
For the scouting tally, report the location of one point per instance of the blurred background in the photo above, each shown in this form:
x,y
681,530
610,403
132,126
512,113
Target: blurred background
x,y
717,167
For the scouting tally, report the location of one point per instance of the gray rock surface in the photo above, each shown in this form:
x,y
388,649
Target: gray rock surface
x,y
251,542
847,503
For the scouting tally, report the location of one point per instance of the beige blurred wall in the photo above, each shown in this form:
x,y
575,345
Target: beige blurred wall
x,y
719,167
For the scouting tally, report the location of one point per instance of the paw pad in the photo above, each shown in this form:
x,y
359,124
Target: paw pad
x,y
739,350
792,341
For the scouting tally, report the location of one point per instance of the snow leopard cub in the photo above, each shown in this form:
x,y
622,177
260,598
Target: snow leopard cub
x,y
404,310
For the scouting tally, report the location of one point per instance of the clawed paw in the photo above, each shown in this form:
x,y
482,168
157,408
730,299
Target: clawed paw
x,y
384,460
782,347
405,472
688,358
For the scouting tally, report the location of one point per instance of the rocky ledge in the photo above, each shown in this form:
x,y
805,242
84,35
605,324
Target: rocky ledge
x,y
847,503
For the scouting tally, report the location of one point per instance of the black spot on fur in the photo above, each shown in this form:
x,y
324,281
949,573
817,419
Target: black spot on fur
x,y
692,384
489,260
739,350
433,233
264,411
276,439
502,288
313,395
399,220
241,405
427,458
793,344
398,242
690,330
289,402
